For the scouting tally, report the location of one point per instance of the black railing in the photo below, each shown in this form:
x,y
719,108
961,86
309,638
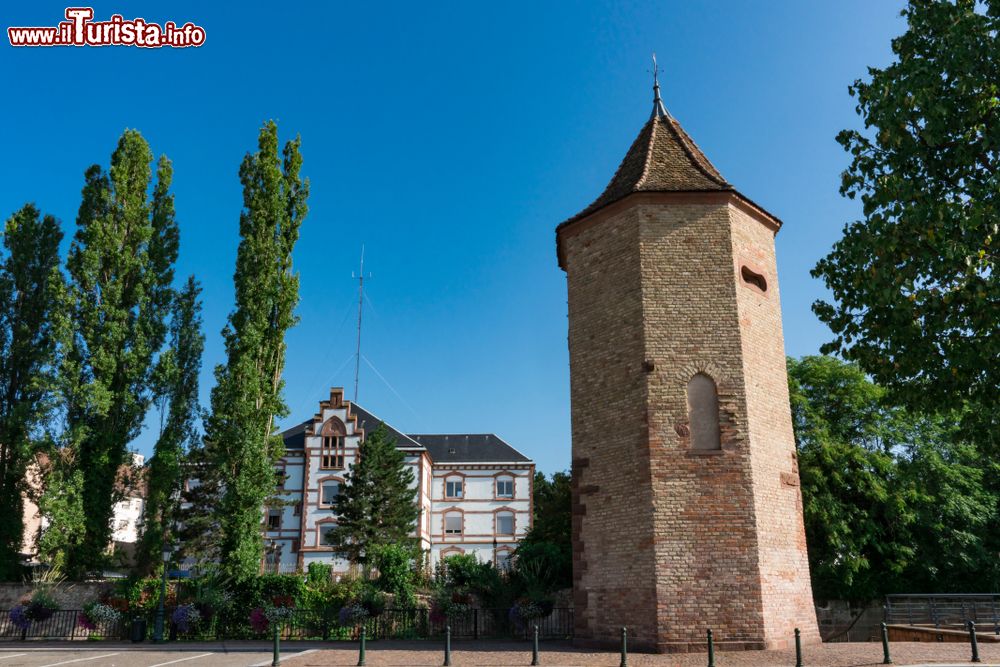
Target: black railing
x,y
945,611
306,624
63,624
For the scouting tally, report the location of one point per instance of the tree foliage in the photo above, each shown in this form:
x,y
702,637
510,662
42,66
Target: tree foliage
x,y
548,545
915,282
377,503
177,392
894,501
121,269
31,291
242,442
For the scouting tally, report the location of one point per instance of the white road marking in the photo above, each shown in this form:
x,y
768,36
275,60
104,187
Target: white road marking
x,y
268,663
11,655
172,662
66,662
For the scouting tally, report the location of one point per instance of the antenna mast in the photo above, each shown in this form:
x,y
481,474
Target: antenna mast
x,y
361,296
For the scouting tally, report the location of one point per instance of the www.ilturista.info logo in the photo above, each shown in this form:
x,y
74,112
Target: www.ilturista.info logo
x,y
80,30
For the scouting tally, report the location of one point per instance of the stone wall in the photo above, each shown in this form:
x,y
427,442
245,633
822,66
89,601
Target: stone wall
x,y
67,595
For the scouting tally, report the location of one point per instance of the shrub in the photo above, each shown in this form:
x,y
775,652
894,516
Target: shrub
x,y
395,565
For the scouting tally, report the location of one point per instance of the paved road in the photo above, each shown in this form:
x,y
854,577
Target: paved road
x,y
467,654
97,656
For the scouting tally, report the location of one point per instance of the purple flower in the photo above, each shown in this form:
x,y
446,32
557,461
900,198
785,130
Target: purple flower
x,y
19,617
85,622
258,620
185,617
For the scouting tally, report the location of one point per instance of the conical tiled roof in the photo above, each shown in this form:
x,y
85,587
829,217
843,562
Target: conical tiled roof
x,y
663,158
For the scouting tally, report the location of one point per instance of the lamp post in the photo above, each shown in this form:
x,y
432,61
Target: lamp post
x,y
160,611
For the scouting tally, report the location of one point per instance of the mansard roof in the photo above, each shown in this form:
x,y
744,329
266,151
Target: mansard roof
x,y
469,448
295,437
443,448
370,422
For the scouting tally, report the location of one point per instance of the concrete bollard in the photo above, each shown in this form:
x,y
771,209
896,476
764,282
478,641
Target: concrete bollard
x,y
886,659
711,648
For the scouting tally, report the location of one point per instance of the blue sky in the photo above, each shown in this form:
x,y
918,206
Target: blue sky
x,y
450,138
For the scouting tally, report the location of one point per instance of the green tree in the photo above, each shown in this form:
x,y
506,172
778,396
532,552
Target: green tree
x,y
121,268
547,549
31,287
915,282
198,519
242,442
177,382
377,503
894,501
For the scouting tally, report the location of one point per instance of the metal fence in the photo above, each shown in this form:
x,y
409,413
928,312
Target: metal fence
x,y
306,624
945,611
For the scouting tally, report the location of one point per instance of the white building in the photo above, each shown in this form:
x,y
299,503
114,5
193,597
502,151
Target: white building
x,y
474,491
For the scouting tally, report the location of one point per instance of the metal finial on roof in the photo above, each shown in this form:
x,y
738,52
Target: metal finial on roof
x,y
659,111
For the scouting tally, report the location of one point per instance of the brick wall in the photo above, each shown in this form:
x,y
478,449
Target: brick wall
x,y
613,566
671,541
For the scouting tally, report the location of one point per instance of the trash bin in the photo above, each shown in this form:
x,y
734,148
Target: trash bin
x,y
138,629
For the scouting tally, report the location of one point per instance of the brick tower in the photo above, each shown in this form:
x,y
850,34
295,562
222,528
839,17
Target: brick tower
x,y
687,512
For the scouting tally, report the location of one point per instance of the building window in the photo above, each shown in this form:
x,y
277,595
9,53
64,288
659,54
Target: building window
x,y
329,491
324,534
503,559
298,509
279,480
505,487
505,523
753,279
703,413
453,523
454,488
332,452
274,519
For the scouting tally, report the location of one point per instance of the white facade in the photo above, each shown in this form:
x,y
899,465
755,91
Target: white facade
x,y
485,510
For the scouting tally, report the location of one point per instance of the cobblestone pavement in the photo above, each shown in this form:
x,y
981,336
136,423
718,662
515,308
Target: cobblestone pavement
x,y
561,655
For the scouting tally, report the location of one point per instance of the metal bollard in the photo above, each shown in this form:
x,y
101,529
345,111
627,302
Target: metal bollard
x,y
887,659
711,648
361,651
447,646
798,648
276,660
974,641
624,661
534,649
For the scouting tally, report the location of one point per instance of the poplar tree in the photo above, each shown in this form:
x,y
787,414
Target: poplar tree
x,y
177,377
31,288
121,269
242,441
377,504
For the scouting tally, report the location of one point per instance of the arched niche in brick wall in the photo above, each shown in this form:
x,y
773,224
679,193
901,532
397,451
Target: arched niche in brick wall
x,y
703,412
